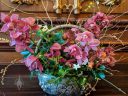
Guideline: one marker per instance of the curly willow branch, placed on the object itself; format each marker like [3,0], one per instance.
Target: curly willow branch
[58,27]
[119,89]
[14,9]
[3,71]
[92,88]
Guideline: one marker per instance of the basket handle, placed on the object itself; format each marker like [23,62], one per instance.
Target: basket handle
[58,27]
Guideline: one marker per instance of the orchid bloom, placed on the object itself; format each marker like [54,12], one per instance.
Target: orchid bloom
[102,19]
[91,26]
[70,62]
[18,29]
[91,45]
[76,51]
[54,50]
[30,21]
[33,63]
[84,37]
[106,56]
[87,40]
[9,22]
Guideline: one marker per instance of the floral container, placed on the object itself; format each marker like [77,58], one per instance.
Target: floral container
[66,87]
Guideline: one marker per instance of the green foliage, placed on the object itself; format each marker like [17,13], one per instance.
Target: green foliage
[101,75]
[57,37]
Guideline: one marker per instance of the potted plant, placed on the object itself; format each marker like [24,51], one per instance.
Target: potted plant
[68,60]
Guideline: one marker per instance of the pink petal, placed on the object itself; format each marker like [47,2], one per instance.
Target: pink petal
[13,42]
[94,42]
[40,67]
[66,49]
[74,29]
[85,61]
[79,61]
[4,28]
[10,25]
[56,46]
[86,49]
[35,27]
[15,35]
[94,48]
[29,60]
[4,18]
[30,50]
[20,24]
[30,21]
[20,48]
[26,28]
[14,17]
[78,56]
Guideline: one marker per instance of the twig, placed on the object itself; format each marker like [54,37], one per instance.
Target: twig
[119,89]
[3,71]
[14,8]
[47,12]
[92,88]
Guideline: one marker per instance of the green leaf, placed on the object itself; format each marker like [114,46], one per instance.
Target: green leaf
[33,73]
[102,67]
[101,75]
[94,74]
[61,72]
[25,56]
[39,33]
[61,41]
[60,67]
[24,52]
[57,37]
[83,81]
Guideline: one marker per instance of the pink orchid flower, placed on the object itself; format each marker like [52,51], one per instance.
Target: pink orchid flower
[106,55]
[84,37]
[54,50]
[31,23]
[102,19]
[19,40]
[70,62]
[19,47]
[33,63]
[91,45]
[83,60]
[91,26]
[18,29]
[9,22]
[74,50]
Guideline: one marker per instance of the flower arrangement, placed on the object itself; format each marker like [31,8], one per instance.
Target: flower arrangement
[75,53]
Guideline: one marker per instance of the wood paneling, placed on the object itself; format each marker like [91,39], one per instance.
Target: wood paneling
[39,8]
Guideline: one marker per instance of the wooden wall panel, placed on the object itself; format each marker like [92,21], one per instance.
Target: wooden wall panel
[39,8]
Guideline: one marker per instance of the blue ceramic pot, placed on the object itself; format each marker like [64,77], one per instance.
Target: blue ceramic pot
[65,87]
